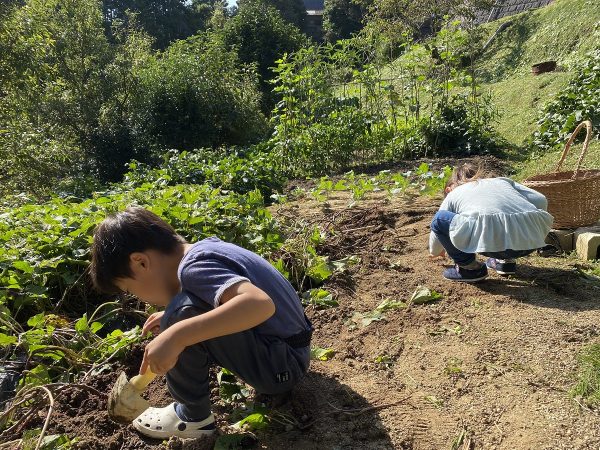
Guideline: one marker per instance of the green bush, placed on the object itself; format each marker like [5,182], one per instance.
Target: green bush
[239,171]
[196,94]
[460,127]
[580,100]
[260,35]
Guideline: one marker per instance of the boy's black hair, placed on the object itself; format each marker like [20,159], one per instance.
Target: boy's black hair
[123,233]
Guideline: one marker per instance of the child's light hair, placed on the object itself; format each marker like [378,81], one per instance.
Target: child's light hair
[466,173]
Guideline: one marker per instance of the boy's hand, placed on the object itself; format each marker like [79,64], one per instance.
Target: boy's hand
[152,324]
[161,354]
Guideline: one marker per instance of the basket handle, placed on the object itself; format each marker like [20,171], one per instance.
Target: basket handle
[586,143]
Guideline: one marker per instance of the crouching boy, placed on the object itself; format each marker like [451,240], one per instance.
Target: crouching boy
[224,305]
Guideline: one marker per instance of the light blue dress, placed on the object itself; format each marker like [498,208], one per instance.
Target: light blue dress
[494,215]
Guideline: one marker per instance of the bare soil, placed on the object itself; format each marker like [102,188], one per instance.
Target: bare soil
[488,366]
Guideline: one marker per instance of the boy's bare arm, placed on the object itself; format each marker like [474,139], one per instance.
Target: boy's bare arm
[243,306]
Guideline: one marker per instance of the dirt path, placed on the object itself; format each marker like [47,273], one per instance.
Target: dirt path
[490,362]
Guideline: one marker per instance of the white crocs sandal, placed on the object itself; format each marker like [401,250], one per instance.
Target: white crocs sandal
[161,423]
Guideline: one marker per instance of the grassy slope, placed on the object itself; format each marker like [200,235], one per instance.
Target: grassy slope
[562,31]
[519,99]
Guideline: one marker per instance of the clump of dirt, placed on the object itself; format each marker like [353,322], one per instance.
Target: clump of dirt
[356,230]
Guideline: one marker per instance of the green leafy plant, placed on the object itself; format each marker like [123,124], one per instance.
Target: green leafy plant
[239,170]
[423,180]
[579,101]
[230,389]
[318,298]
[321,354]
[424,295]
[453,367]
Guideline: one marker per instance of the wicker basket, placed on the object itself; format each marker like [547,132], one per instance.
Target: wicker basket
[573,196]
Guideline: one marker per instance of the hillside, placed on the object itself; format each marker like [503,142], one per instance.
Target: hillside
[563,31]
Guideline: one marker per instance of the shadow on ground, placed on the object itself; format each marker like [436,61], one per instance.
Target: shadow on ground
[549,287]
[340,418]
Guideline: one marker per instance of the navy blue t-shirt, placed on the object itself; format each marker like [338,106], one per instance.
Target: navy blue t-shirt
[212,265]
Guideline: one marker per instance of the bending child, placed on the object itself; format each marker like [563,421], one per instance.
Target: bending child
[495,217]
[224,305]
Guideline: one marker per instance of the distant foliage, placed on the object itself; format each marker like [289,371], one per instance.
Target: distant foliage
[76,106]
[394,18]
[261,36]
[343,18]
[580,100]
[239,171]
[53,85]
[293,11]
[164,20]
[196,94]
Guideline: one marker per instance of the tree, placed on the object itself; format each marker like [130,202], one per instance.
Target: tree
[76,106]
[261,36]
[343,18]
[51,73]
[196,94]
[165,20]
[292,11]
[399,18]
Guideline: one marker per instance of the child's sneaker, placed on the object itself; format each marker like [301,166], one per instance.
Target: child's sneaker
[163,423]
[506,267]
[458,273]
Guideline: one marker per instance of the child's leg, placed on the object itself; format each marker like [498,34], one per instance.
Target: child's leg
[188,383]
[266,363]
[441,228]
[505,262]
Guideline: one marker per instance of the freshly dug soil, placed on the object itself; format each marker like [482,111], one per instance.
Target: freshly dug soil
[488,366]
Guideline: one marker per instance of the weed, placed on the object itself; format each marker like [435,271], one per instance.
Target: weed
[384,360]
[321,354]
[318,298]
[453,366]
[587,387]
[435,401]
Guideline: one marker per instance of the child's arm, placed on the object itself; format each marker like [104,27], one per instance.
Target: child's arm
[243,306]
[435,246]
